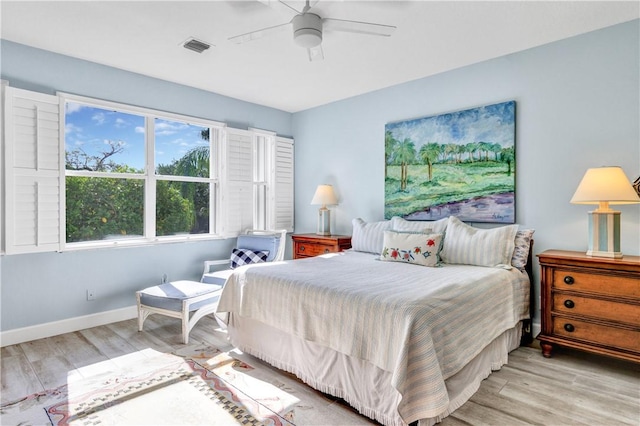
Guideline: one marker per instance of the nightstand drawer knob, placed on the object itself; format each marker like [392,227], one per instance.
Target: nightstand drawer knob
[326,250]
[569,303]
[302,248]
[569,280]
[569,327]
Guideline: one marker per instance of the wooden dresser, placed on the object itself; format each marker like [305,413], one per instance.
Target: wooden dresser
[309,245]
[590,303]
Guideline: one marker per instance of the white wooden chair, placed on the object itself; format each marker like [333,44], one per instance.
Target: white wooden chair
[257,240]
[178,299]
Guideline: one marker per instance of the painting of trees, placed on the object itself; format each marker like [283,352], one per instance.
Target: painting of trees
[389,148]
[460,163]
[404,155]
[429,154]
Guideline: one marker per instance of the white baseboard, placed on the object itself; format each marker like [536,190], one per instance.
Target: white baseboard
[40,331]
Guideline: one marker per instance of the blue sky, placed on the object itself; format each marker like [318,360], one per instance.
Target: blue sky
[90,129]
[490,123]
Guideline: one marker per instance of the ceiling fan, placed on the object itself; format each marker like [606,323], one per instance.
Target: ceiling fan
[308,30]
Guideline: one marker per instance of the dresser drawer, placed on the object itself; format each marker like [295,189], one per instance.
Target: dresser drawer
[603,309]
[590,303]
[310,245]
[605,335]
[566,279]
[311,249]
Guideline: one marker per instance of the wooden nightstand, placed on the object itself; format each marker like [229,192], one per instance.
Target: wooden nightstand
[309,245]
[590,303]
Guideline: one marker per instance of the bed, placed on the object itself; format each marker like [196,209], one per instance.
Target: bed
[401,343]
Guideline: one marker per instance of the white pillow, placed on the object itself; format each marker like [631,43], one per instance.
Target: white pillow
[418,249]
[521,250]
[467,245]
[368,237]
[402,225]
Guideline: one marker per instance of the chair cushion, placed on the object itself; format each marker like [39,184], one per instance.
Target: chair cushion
[170,295]
[254,242]
[218,277]
[244,256]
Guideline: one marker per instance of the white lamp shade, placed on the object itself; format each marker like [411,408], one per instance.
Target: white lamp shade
[605,184]
[324,196]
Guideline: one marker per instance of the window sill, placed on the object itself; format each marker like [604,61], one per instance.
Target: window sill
[140,242]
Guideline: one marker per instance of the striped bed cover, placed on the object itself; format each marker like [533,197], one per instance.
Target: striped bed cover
[421,324]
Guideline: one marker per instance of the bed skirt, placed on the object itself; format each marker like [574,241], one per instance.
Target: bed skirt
[364,386]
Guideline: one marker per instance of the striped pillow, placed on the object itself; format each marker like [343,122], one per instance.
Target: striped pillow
[466,245]
[402,225]
[368,237]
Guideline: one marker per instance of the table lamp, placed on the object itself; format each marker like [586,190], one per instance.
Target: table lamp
[324,195]
[605,186]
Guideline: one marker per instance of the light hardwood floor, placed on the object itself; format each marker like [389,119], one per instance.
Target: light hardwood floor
[572,388]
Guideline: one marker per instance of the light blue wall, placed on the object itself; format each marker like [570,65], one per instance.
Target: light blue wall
[52,286]
[577,106]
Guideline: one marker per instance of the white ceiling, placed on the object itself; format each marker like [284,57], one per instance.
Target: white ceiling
[431,37]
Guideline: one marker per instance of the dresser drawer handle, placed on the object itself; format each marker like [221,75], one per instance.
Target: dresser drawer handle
[569,303]
[569,280]
[326,250]
[301,248]
[569,327]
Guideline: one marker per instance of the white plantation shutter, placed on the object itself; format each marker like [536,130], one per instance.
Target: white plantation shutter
[240,207]
[237,192]
[282,187]
[32,167]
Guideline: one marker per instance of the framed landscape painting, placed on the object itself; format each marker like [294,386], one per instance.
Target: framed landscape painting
[459,164]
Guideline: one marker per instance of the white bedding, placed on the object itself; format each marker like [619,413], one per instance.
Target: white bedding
[364,386]
[420,324]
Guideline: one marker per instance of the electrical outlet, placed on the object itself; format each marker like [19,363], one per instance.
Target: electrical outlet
[91,295]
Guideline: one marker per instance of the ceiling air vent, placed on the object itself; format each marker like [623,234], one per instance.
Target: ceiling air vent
[196,45]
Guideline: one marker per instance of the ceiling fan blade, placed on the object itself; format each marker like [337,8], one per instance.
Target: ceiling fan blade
[253,35]
[315,53]
[280,4]
[357,27]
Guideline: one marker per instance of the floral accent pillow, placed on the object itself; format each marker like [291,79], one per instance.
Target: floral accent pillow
[418,249]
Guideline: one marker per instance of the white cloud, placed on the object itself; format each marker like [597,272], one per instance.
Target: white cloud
[70,128]
[99,118]
[139,129]
[70,107]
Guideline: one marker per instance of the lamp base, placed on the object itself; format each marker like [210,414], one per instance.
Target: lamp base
[609,254]
[324,221]
[604,234]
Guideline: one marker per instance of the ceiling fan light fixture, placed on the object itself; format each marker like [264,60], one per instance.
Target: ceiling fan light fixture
[307,30]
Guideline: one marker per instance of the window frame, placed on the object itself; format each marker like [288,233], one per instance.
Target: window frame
[216,132]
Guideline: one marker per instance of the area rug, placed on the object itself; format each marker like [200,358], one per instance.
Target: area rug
[207,387]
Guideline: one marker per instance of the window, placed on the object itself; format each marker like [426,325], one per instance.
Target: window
[105,166]
[185,180]
[133,175]
[129,175]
